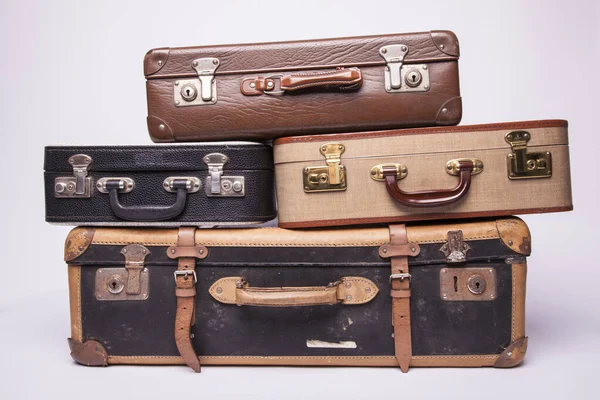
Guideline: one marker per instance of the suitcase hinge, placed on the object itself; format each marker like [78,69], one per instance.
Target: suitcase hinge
[129,283]
[185,91]
[455,249]
[524,165]
[415,77]
[218,185]
[327,178]
[79,185]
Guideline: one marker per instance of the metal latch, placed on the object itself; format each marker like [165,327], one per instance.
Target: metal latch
[79,185]
[399,77]
[129,283]
[524,165]
[218,185]
[468,284]
[455,249]
[201,91]
[126,185]
[327,178]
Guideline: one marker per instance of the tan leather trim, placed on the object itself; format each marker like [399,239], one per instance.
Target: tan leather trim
[90,352]
[519,279]
[438,233]
[550,123]
[513,354]
[77,242]
[349,290]
[74,273]
[320,361]
[515,235]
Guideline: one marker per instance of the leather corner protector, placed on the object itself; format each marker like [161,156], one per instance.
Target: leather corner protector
[159,130]
[450,113]
[223,290]
[446,42]
[515,235]
[77,242]
[90,353]
[358,290]
[513,354]
[155,60]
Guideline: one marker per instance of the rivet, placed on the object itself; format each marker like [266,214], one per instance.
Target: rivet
[195,63]
[509,354]
[143,251]
[384,250]
[80,248]
[368,290]
[124,251]
[444,271]
[176,83]
[491,271]
[213,99]
[340,147]
[253,85]
[269,84]
[449,166]
[445,296]
[348,285]
[215,61]
[71,161]
[403,48]
[161,127]
[323,147]
[306,187]
[172,251]
[387,68]
[159,63]
[177,102]
[305,169]
[510,242]
[201,251]
[424,66]
[191,335]
[219,290]
[348,297]
[442,46]
[480,165]
[492,296]
[444,110]
[426,87]
[413,249]
[223,159]
[384,51]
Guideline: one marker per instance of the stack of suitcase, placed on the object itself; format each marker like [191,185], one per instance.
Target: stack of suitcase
[170,263]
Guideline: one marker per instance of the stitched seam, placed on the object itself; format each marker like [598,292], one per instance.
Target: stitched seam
[243,244]
[492,356]
[514,303]
[79,319]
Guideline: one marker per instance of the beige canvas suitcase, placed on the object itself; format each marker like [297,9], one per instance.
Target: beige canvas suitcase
[420,174]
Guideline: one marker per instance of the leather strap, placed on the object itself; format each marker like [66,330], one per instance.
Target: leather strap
[185,290]
[399,250]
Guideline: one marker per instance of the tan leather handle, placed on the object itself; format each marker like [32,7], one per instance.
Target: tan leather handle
[342,78]
[430,198]
[348,290]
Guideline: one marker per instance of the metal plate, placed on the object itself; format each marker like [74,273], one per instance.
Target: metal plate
[231,186]
[64,187]
[128,184]
[316,179]
[194,183]
[423,86]
[460,284]
[178,99]
[105,291]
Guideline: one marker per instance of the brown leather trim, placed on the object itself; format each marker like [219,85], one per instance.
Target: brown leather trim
[519,279]
[318,361]
[446,42]
[90,352]
[156,133]
[550,123]
[450,113]
[515,235]
[358,221]
[513,354]
[155,60]
[74,273]
[77,242]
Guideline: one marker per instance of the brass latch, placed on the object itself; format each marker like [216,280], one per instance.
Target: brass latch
[79,185]
[524,165]
[327,178]
[455,249]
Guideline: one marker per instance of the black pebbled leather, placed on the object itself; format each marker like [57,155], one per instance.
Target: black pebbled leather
[149,166]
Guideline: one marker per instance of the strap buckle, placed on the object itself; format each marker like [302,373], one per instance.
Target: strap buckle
[185,273]
[399,276]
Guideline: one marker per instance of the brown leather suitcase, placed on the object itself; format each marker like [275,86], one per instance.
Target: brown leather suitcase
[267,90]
[423,295]
[419,174]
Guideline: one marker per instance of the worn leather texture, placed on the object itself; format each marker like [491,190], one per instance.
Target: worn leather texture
[463,328]
[318,110]
[148,166]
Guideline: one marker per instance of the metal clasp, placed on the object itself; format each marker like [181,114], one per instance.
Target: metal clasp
[135,254]
[185,273]
[125,185]
[455,249]
[400,77]
[377,171]
[185,91]
[79,185]
[329,178]
[524,165]
[218,185]
[400,276]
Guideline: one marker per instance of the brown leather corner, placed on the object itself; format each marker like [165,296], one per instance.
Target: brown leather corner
[513,355]
[77,242]
[90,352]
[155,59]
[514,233]
[450,113]
[159,130]
[447,42]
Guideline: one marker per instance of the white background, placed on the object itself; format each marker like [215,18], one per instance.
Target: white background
[71,73]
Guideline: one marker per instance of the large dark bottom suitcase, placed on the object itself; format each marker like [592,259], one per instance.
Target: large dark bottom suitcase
[423,295]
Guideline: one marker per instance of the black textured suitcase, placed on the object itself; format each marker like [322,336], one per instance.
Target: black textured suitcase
[209,184]
[422,295]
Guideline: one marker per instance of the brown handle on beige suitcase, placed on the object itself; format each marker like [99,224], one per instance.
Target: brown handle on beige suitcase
[430,198]
[341,78]
[348,290]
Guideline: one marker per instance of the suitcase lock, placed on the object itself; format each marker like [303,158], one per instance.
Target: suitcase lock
[79,185]
[400,77]
[524,165]
[201,91]
[129,283]
[327,178]
[218,185]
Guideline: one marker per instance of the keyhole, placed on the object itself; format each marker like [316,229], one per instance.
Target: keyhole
[477,285]
[188,91]
[456,284]
[414,78]
[114,284]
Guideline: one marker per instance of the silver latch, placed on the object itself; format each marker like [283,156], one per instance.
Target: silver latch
[185,91]
[400,77]
[218,185]
[79,185]
[455,249]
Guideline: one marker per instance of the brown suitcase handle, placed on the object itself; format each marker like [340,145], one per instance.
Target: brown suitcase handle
[341,78]
[430,198]
[348,290]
